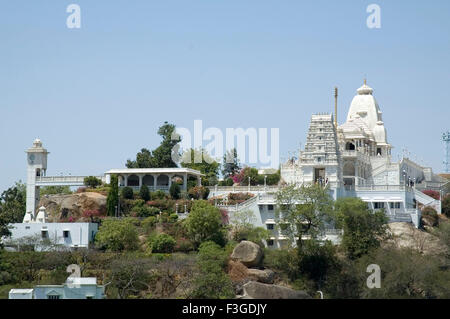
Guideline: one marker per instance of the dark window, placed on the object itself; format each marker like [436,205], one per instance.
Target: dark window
[53,297]
[270,242]
[378,205]
[378,151]
[270,207]
[269,226]
[44,234]
[66,234]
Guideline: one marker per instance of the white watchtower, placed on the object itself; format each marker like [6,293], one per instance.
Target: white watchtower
[37,167]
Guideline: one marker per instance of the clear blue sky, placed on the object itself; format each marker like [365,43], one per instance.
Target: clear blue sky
[96,95]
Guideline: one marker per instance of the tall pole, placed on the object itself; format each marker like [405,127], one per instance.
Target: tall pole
[446,139]
[335,107]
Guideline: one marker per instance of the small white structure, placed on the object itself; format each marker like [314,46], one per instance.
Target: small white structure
[21,294]
[64,235]
[73,288]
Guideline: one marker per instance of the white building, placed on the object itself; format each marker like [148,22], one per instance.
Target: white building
[73,288]
[354,160]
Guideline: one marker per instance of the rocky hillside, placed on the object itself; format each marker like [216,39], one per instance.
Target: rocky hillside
[405,235]
[71,207]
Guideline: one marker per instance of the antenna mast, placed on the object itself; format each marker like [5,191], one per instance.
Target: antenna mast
[446,139]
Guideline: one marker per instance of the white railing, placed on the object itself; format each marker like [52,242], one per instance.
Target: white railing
[63,179]
[244,189]
[237,207]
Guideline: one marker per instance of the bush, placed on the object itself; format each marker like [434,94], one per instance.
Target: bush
[175,191]
[149,223]
[127,192]
[145,211]
[212,283]
[431,215]
[144,193]
[92,181]
[204,223]
[446,206]
[184,245]
[117,235]
[159,194]
[162,243]
[198,192]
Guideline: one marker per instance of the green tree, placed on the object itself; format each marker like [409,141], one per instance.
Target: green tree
[144,193]
[231,164]
[243,228]
[117,235]
[160,157]
[212,281]
[363,229]
[162,243]
[204,223]
[250,173]
[112,199]
[92,181]
[127,192]
[303,211]
[207,165]
[175,191]
[446,205]
[12,207]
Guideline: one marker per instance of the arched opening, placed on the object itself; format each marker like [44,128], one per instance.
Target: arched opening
[349,169]
[133,180]
[148,180]
[163,180]
[350,146]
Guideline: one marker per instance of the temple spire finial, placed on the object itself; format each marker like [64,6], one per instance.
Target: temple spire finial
[365,81]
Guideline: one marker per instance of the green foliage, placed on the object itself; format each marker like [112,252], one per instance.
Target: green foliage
[405,273]
[161,157]
[175,191]
[296,220]
[204,223]
[117,235]
[149,223]
[112,199]
[252,173]
[142,210]
[201,161]
[446,206]
[198,192]
[212,282]
[12,207]
[431,215]
[159,194]
[272,179]
[363,228]
[243,228]
[92,181]
[144,193]
[231,165]
[162,243]
[127,193]
[53,190]
[227,182]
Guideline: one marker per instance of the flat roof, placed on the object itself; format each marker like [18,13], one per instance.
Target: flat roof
[174,170]
[21,291]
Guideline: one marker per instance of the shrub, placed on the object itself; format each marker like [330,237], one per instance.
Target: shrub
[430,214]
[162,243]
[149,223]
[184,245]
[144,193]
[127,192]
[198,192]
[145,211]
[175,191]
[159,194]
[92,181]
[446,206]
[117,235]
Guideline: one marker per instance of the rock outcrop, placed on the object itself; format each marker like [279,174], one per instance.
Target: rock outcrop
[248,253]
[65,207]
[265,276]
[256,290]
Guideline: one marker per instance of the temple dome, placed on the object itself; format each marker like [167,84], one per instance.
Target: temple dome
[379,133]
[366,107]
